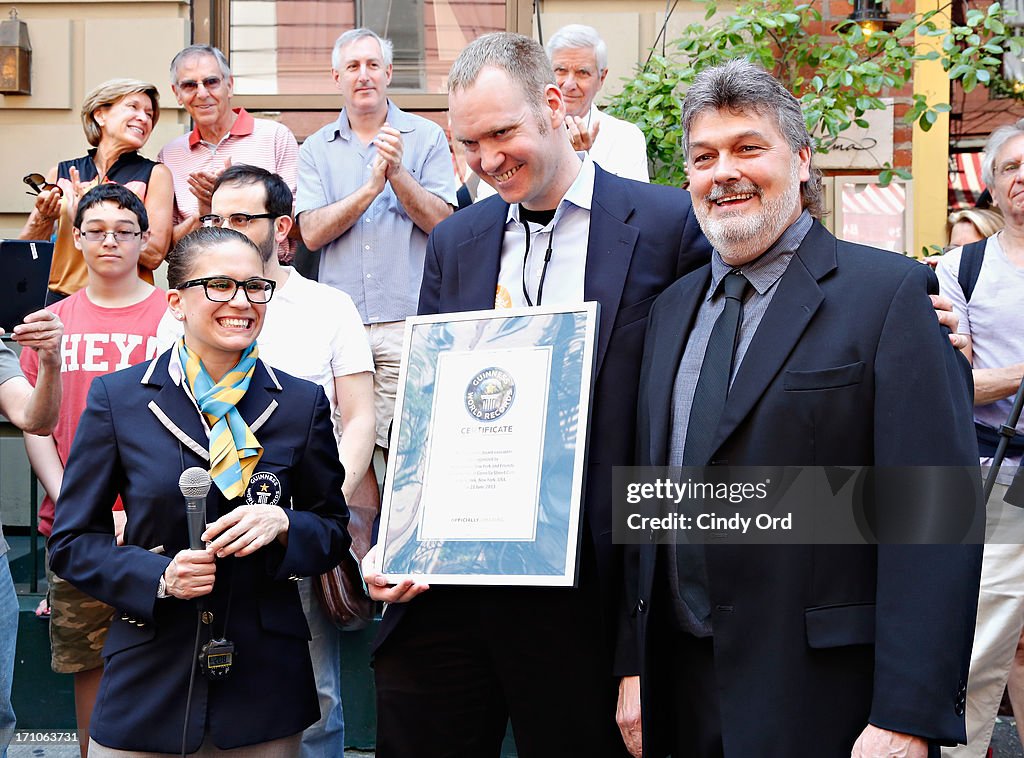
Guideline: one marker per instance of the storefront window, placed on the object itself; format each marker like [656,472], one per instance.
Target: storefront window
[304,123]
[283,47]
[873,215]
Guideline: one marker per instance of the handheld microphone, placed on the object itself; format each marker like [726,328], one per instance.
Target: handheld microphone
[194,484]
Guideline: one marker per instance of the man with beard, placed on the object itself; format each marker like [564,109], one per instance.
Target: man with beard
[792,348]
[314,332]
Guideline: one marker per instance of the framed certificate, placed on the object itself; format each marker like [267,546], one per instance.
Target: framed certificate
[485,472]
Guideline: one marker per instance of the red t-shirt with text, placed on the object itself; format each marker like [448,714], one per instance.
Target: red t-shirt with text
[96,341]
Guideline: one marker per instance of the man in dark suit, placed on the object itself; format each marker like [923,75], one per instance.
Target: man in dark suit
[453,665]
[833,358]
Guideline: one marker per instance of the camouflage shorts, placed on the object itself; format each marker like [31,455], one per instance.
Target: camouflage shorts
[78,627]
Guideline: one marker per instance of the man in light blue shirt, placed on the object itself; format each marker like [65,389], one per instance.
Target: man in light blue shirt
[372,185]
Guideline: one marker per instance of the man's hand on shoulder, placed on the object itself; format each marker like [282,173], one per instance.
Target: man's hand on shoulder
[944,312]
[882,743]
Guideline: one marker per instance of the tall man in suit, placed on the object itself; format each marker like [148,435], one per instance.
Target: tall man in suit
[835,360]
[455,663]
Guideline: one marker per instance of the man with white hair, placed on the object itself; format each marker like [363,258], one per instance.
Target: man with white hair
[202,81]
[372,185]
[985,281]
[580,59]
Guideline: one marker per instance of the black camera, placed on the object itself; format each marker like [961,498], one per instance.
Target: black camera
[216,658]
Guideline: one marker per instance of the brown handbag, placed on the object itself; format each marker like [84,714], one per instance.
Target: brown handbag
[340,590]
[342,596]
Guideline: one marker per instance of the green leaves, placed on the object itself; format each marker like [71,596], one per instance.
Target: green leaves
[888,173]
[836,80]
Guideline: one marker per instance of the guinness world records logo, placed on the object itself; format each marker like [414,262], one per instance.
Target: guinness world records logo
[490,393]
[264,488]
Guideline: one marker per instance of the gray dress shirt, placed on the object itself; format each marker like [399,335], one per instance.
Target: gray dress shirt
[764,274]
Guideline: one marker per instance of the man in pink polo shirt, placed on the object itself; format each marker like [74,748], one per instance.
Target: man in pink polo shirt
[221,136]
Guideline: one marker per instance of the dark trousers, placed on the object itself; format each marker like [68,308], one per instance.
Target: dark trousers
[463,661]
[696,721]
[697,725]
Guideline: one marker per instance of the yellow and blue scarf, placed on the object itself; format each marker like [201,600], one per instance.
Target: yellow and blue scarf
[234,450]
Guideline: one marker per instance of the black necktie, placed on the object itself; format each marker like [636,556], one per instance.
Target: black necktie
[708,403]
[715,370]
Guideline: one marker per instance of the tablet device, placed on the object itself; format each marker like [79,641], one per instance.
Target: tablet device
[24,276]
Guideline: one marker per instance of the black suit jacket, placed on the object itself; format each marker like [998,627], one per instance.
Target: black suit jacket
[642,238]
[847,368]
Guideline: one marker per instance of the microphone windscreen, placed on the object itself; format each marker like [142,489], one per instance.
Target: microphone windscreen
[194,482]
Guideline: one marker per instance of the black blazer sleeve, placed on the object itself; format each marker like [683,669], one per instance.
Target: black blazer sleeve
[927,593]
[430,287]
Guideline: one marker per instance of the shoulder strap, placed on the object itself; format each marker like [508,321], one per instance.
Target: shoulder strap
[970,267]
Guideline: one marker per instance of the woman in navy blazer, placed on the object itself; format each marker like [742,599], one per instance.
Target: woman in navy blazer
[282,518]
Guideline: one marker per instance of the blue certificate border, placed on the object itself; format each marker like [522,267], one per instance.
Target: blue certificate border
[550,559]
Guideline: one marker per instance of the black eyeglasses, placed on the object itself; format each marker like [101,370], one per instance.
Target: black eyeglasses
[211,83]
[235,220]
[39,184]
[98,235]
[222,289]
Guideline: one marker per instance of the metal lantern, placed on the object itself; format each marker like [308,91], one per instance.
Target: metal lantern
[15,57]
[871,16]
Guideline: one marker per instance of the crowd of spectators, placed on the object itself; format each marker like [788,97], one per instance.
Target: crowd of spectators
[363,196]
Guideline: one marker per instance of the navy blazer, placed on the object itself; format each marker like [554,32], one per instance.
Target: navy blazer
[139,432]
[642,238]
[848,367]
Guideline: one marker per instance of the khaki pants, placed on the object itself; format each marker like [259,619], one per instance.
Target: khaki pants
[386,345]
[1000,620]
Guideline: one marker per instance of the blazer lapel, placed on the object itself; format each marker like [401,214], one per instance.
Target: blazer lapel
[479,259]
[258,403]
[610,249]
[667,351]
[791,310]
[174,410]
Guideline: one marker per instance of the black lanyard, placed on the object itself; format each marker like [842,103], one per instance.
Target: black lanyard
[544,268]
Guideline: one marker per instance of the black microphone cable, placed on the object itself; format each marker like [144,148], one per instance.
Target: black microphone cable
[195,647]
[191,681]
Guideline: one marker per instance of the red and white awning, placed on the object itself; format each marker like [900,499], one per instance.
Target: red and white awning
[874,215]
[965,185]
[873,199]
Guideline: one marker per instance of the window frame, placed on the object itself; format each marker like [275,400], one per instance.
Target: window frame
[211,25]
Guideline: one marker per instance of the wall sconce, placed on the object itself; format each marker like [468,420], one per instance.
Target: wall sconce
[871,16]
[15,57]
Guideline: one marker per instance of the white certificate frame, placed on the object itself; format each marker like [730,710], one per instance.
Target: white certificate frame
[487,464]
